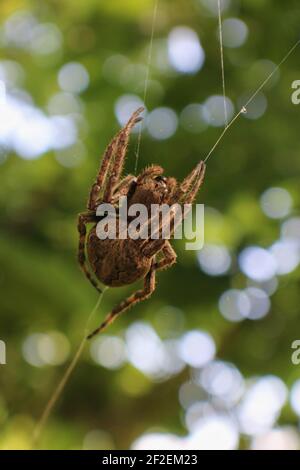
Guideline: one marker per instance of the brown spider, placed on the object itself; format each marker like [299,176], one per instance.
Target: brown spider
[118,262]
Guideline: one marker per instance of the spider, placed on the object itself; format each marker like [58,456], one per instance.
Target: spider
[120,262]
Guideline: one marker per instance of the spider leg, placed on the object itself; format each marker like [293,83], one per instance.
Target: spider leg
[169,254]
[188,181]
[121,150]
[108,157]
[190,196]
[138,296]
[185,194]
[194,179]
[83,219]
[193,183]
[159,226]
[123,188]
[102,174]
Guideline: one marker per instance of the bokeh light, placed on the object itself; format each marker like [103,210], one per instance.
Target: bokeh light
[224,381]
[261,405]
[269,287]
[30,132]
[257,263]
[287,255]
[214,260]
[276,203]
[192,118]
[290,229]
[196,412]
[280,438]
[162,123]
[149,354]
[190,394]
[157,441]
[18,29]
[256,108]
[214,113]
[295,397]
[12,73]
[125,106]
[234,305]
[259,303]
[196,348]
[235,32]
[72,156]
[73,77]
[217,432]
[42,349]
[186,54]
[109,351]
[64,103]
[212,5]
[45,39]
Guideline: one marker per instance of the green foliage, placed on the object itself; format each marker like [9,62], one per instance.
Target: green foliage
[41,287]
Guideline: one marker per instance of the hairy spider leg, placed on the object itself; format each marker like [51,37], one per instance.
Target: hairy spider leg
[187,193]
[197,183]
[123,188]
[196,176]
[109,160]
[189,196]
[122,144]
[102,174]
[138,296]
[169,255]
[83,219]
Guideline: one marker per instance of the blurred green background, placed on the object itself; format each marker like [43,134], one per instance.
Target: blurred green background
[206,362]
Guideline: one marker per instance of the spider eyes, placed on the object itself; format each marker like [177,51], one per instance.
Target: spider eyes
[160,178]
[163,182]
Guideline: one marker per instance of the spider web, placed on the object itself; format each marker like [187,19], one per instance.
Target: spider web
[66,376]
[222,61]
[243,110]
[146,84]
[64,380]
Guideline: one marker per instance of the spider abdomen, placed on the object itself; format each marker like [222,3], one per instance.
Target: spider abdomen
[116,262]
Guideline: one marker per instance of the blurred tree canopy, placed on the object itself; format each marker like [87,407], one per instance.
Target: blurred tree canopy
[45,300]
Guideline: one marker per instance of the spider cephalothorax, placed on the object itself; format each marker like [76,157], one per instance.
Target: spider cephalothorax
[118,262]
[153,188]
